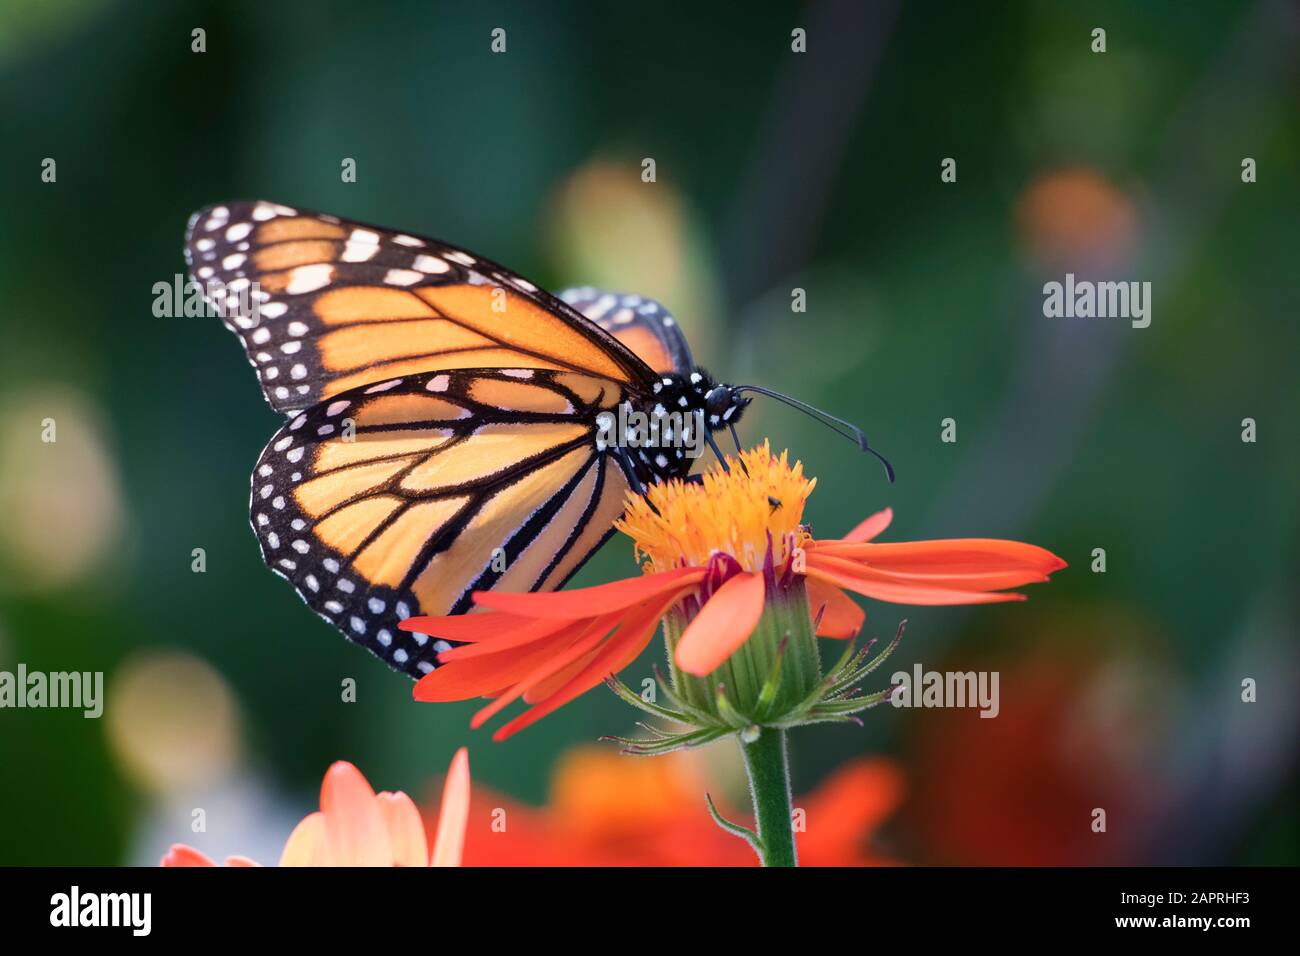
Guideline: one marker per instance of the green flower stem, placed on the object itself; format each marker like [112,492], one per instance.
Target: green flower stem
[752,694]
[768,766]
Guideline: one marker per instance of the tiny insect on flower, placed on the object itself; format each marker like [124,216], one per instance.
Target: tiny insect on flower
[357,827]
[736,576]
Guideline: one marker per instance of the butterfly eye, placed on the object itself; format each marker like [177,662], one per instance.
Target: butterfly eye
[718,400]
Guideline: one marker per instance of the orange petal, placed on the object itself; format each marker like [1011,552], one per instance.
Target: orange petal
[354,826]
[589,602]
[561,678]
[989,580]
[641,620]
[465,628]
[840,615]
[308,844]
[621,650]
[405,829]
[723,624]
[454,814]
[872,526]
[587,642]
[178,854]
[506,639]
[852,802]
[480,676]
[241,861]
[953,556]
[885,589]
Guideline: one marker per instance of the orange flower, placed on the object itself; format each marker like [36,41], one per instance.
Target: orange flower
[1010,792]
[357,827]
[607,810]
[717,553]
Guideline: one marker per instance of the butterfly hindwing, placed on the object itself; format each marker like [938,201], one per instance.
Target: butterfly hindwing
[642,324]
[402,497]
[323,305]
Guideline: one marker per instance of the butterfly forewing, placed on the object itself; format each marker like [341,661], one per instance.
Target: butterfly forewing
[402,497]
[323,305]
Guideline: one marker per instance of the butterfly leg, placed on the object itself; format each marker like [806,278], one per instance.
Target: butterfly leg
[633,480]
[736,438]
[717,451]
[629,469]
[722,460]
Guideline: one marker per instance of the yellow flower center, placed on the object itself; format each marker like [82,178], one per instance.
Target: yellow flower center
[681,524]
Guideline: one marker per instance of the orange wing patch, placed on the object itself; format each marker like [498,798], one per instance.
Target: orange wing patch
[605,505]
[513,321]
[319,496]
[498,448]
[444,581]
[403,408]
[354,347]
[350,527]
[388,559]
[285,229]
[348,306]
[520,397]
[339,453]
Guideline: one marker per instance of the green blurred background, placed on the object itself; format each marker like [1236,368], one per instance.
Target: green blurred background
[775,170]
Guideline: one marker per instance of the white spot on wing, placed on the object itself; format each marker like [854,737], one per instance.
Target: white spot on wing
[359,251]
[309,278]
[430,264]
[402,277]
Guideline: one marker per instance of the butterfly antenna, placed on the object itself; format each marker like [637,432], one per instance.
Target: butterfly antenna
[838,425]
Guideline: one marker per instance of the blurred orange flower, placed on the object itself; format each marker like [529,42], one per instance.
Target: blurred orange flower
[1075,217]
[606,809]
[1076,736]
[357,827]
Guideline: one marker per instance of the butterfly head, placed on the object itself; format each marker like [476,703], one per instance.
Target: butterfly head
[723,405]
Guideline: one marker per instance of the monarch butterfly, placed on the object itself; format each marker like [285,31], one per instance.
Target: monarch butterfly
[443,415]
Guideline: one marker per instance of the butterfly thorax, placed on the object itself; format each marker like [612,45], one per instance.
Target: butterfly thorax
[661,436]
